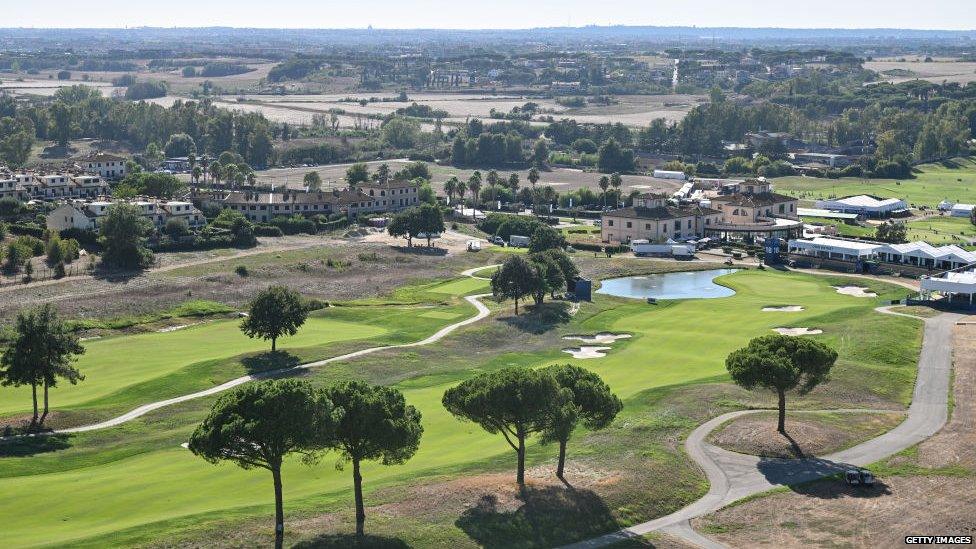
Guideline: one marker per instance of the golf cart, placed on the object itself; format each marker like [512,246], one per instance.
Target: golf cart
[859,477]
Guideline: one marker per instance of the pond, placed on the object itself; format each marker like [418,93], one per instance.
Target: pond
[685,285]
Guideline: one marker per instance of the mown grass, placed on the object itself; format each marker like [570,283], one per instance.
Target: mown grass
[136,485]
[954,180]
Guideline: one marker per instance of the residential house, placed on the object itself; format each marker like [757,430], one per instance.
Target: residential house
[652,218]
[109,166]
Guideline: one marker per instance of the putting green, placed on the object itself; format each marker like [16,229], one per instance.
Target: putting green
[158,490]
[112,364]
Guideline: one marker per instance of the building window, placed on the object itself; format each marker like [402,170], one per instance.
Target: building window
[610,223]
[629,225]
[677,224]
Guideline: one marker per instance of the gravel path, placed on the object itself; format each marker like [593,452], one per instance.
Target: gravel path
[733,476]
[482,312]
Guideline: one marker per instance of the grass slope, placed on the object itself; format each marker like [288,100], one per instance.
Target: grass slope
[954,180]
[145,488]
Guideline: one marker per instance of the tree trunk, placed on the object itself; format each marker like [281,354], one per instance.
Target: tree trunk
[357,482]
[782,412]
[516,306]
[34,397]
[279,509]
[520,474]
[274,344]
[562,460]
[44,415]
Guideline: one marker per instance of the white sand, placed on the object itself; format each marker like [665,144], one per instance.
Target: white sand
[602,337]
[855,291]
[797,331]
[175,328]
[786,309]
[587,352]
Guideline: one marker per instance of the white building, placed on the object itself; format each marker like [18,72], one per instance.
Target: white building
[667,174]
[925,255]
[109,166]
[952,284]
[962,210]
[86,215]
[863,204]
[835,248]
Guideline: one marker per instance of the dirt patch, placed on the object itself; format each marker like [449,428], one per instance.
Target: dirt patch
[808,434]
[783,309]
[831,514]
[955,444]
[912,495]
[585,352]
[798,331]
[855,291]
[602,337]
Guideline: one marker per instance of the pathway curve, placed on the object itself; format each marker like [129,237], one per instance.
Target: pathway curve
[482,312]
[733,476]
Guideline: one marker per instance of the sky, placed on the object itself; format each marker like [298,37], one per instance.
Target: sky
[496,14]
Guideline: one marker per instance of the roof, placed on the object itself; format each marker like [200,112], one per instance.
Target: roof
[864,201]
[296,197]
[837,243]
[924,249]
[827,214]
[662,212]
[101,157]
[390,184]
[754,200]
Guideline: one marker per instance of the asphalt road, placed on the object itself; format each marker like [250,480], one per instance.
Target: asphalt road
[733,476]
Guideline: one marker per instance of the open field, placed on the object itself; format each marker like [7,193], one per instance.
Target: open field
[942,230]
[631,110]
[561,179]
[955,181]
[928,488]
[937,71]
[135,484]
[46,87]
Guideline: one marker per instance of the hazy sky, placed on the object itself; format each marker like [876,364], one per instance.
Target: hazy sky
[460,14]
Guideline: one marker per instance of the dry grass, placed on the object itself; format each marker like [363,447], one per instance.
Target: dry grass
[809,434]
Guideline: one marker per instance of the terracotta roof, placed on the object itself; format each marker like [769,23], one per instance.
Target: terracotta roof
[660,213]
[390,184]
[754,200]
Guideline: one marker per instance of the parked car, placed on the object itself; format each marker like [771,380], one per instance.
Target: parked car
[474,246]
[859,477]
[518,241]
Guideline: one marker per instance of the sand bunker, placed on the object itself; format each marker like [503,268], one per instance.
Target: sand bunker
[587,352]
[797,331]
[855,291]
[602,337]
[783,309]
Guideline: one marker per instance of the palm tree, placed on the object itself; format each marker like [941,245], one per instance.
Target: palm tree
[513,185]
[549,195]
[230,173]
[450,187]
[493,184]
[205,163]
[216,171]
[533,177]
[252,178]
[461,188]
[604,185]
[474,186]
[616,181]
[197,172]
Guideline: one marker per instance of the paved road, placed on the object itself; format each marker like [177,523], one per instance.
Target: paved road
[482,312]
[733,476]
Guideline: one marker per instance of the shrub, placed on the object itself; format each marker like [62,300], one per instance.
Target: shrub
[241,271]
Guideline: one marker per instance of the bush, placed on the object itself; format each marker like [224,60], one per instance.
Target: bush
[241,271]
[294,225]
[267,230]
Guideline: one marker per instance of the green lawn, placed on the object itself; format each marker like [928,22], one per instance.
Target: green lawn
[103,491]
[930,186]
[124,371]
[942,230]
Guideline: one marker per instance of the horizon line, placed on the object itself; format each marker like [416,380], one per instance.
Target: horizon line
[488,29]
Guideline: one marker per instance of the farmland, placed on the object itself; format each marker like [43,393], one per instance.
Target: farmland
[148,489]
[938,71]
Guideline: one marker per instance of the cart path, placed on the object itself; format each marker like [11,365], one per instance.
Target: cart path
[733,476]
[482,312]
